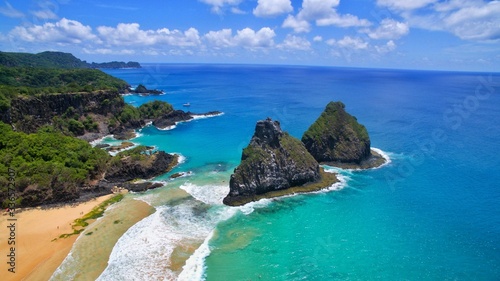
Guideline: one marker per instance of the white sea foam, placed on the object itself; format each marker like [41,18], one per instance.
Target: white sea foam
[202,116]
[100,140]
[143,252]
[194,269]
[208,194]
[384,154]
[168,128]
[113,153]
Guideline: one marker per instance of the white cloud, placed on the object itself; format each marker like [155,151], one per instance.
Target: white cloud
[324,13]
[475,20]
[298,25]
[44,14]
[268,8]
[386,48]
[221,38]
[317,38]
[247,38]
[107,51]
[131,34]
[476,23]
[293,42]
[63,32]
[405,4]
[349,43]
[250,39]
[10,11]
[389,29]
[219,5]
[346,20]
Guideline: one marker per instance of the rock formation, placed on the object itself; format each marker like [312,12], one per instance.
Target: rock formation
[338,139]
[130,167]
[273,161]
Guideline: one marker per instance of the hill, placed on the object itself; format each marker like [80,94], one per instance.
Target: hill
[56,60]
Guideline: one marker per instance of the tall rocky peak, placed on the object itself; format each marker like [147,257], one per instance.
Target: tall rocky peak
[267,132]
[273,161]
[337,137]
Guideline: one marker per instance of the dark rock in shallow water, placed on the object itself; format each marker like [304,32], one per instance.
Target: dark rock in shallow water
[171,119]
[142,186]
[126,168]
[337,137]
[273,161]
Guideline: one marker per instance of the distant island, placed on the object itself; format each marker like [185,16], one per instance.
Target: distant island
[276,164]
[56,60]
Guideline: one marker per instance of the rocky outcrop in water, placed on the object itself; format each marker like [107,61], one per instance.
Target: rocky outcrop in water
[338,139]
[176,116]
[273,161]
[336,136]
[130,167]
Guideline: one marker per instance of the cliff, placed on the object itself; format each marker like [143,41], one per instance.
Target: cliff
[273,161]
[336,138]
[28,114]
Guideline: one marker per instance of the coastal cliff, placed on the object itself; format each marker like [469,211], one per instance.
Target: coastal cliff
[336,138]
[29,113]
[273,161]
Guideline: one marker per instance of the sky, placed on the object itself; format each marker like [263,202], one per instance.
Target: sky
[461,35]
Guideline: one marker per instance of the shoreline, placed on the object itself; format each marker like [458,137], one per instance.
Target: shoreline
[37,253]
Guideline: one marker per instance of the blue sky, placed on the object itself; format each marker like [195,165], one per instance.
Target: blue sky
[414,34]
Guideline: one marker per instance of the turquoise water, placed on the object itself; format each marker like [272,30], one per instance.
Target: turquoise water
[431,214]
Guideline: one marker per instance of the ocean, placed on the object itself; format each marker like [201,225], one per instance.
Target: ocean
[432,213]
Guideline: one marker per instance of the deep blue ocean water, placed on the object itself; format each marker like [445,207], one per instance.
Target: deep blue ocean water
[432,213]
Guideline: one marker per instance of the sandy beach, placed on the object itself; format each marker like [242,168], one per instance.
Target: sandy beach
[37,254]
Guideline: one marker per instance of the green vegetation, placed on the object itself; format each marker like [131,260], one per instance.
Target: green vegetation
[44,59]
[149,110]
[49,166]
[333,118]
[97,212]
[57,60]
[15,81]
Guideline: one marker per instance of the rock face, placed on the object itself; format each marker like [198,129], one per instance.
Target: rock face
[129,169]
[171,119]
[336,136]
[30,113]
[274,160]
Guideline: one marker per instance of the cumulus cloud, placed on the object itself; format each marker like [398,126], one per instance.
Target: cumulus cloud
[317,38]
[268,8]
[323,13]
[298,25]
[389,29]
[386,48]
[475,20]
[293,42]
[348,42]
[10,11]
[63,32]
[132,34]
[246,38]
[219,5]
